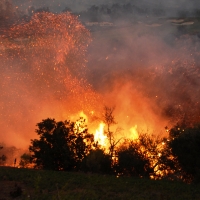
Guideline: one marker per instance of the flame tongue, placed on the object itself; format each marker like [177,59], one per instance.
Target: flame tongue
[134,132]
[99,136]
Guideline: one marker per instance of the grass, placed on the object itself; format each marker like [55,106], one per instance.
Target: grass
[39,184]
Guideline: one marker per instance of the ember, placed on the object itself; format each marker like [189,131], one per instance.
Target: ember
[42,68]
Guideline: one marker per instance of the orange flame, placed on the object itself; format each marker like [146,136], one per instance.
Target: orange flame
[134,132]
[99,135]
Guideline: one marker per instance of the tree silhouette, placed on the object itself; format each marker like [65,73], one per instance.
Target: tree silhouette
[109,120]
[61,145]
[25,160]
[132,161]
[97,161]
[147,156]
[184,143]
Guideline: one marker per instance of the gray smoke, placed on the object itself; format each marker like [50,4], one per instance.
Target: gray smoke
[80,5]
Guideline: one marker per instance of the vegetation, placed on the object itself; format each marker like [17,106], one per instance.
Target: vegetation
[61,145]
[97,161]
[185,144]
[132,161]
[25,160]
[68,146]
[109,120]
[47,184]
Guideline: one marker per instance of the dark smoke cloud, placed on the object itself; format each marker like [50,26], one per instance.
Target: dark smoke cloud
[78,5]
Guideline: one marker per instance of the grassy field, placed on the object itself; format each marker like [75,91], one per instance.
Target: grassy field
[38,184]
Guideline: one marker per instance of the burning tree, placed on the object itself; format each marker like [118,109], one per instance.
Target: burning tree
[109,120]
[147,156]
[61,145]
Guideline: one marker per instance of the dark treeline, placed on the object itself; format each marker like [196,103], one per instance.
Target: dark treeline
[68,146]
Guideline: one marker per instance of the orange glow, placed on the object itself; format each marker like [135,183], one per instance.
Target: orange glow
[99,136]
[134,133]
[43,66]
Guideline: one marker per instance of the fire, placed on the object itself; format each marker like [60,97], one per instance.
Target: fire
[134,132]
[99,135]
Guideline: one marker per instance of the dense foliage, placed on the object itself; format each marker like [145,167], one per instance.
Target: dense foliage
[61,145]
[132,161]
[97,161]
[68,146]
[185,145]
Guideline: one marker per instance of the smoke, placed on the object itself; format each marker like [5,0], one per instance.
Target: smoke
[150,72]
[147,68]
[170,7]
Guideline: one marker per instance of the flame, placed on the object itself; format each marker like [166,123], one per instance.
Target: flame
[134,133]
[99,135]
[84,116]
